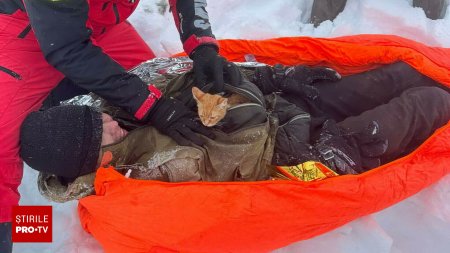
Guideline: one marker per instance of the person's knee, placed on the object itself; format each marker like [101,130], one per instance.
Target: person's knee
[440,96]
[437,91]
[401,68]
[431,100]
[430,94]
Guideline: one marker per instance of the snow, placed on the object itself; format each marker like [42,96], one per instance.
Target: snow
[418,224]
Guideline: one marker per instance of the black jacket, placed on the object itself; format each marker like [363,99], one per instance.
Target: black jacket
[61,30]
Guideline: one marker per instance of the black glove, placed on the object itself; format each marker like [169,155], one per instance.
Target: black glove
[336,152]
[299,79]
[296,79]
[174,119]
[371,143]
[208,64]
[304,74]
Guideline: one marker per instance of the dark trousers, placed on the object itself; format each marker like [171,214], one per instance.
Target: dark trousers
[329,9]
[326,10]
[407,105]
[434,9]
[5,237]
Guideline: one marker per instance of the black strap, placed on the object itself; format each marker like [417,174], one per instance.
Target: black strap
[25,31]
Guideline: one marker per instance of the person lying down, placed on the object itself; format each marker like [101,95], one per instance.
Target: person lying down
[276,116]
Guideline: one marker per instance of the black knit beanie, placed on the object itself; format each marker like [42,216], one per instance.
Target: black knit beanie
[63,140]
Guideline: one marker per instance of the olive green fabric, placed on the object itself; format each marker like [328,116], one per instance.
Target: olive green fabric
[144,150]
[240,156]
[241,151]
[55,189]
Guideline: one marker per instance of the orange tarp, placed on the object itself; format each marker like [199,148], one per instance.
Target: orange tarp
[129,215]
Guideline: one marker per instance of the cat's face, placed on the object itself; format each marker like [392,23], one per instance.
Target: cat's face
[211,108]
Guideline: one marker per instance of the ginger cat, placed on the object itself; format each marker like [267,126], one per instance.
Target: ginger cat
[213,108]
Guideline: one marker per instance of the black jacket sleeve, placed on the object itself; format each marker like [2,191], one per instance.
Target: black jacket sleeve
[64,38]
[192,21]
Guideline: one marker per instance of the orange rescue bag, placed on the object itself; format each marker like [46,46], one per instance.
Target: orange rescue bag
[129,215]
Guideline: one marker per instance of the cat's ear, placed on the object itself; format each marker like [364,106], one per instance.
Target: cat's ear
[223,103]
[197,93]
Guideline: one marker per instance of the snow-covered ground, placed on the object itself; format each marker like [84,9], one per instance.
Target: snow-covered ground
[418,224]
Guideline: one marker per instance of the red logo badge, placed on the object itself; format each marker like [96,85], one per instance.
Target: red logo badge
[32,224]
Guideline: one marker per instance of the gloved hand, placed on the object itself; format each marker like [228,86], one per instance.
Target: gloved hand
[336,152]
[174,119]
[299,79]
[209,64]
[304,74]
[371,143]
[296,79]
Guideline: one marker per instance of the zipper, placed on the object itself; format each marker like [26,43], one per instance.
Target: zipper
[116,13]
[25,31]
[300,116]
[11,73]
[233,88]
[244,105]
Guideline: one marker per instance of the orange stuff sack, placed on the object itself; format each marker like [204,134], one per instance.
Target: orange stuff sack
[129,215]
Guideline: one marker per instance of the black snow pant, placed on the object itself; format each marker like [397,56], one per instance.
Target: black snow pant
[329,9]
[434,9]
[5,237]
[326,10]
[407,105]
